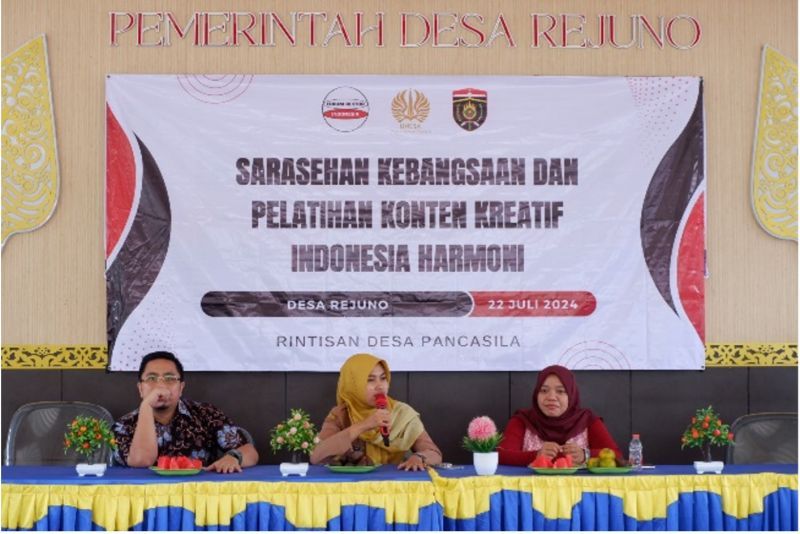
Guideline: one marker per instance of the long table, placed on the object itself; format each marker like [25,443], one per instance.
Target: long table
[755,497]
[762,497]
[55,498]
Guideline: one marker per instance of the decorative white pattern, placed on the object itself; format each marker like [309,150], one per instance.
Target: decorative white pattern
[594,354]
[215,89]
[532,441]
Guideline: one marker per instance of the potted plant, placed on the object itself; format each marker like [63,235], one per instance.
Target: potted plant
[482,439]
[88,436]
[299,436]
[705,430]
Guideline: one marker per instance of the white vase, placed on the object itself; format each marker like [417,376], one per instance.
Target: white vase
[485,462]
[709,467]
[97,470]
[288,468]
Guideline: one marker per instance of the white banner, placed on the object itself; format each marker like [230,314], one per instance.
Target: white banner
[446,223]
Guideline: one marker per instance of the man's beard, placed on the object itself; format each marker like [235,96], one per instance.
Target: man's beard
[163,408]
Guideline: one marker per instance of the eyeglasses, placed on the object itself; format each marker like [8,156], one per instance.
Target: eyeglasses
[167,380]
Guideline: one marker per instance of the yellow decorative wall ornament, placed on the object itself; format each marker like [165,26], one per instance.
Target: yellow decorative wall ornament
[774,176]
[54,357]
[29,161]
[751,355]
[22,357]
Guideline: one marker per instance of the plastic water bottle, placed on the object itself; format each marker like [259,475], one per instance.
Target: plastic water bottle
[635,452]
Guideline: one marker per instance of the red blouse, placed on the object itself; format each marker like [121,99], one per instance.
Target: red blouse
[512,451]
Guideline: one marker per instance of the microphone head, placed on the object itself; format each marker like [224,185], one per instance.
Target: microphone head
[381,402]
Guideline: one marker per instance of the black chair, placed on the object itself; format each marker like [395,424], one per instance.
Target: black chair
[764,438]
[36,433]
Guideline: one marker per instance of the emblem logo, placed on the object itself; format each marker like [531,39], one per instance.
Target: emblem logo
[410,108]
[345,109]
[470,108]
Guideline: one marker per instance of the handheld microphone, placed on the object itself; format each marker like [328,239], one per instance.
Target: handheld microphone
[382,403]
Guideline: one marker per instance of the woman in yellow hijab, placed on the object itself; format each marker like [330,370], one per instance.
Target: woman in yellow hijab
[351,434]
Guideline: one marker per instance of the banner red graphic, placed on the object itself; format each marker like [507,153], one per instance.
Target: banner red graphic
[533,303]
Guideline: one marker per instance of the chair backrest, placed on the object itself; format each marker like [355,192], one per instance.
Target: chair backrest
[764,438]
[36,432]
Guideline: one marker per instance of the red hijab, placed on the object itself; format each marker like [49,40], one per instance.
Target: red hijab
[557,429]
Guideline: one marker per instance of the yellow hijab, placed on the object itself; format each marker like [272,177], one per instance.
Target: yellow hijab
[406,426]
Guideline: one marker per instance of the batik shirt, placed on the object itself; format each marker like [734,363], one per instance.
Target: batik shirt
[198,430]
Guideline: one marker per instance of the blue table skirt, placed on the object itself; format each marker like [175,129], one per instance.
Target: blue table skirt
[761,497]
[55,498]
[668,497]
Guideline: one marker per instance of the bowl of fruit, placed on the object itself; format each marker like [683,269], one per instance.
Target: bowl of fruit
[177,466]
[560,465]
[606,463]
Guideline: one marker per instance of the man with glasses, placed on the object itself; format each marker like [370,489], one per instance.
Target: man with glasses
[167,425]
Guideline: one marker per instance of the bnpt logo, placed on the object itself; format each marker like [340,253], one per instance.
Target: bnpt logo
[345,109]
[470,107]
[410,108]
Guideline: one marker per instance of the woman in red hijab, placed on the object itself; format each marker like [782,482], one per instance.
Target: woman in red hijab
[555,424]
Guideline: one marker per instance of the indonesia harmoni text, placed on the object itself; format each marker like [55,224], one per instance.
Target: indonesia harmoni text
[438,258]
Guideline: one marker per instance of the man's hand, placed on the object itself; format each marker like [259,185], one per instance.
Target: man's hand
[158,396]
[414,463]
[226,464]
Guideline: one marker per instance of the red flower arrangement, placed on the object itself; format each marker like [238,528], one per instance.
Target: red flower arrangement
[705,430]
[86,435]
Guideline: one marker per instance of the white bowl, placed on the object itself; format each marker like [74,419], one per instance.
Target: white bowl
[97,470]
[287,469]
[709,467]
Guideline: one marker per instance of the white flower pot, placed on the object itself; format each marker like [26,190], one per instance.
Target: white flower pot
[709,467]
[288,468]
[97,470]
[485,462]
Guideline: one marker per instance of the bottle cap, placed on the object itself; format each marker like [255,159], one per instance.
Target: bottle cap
[636,436]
